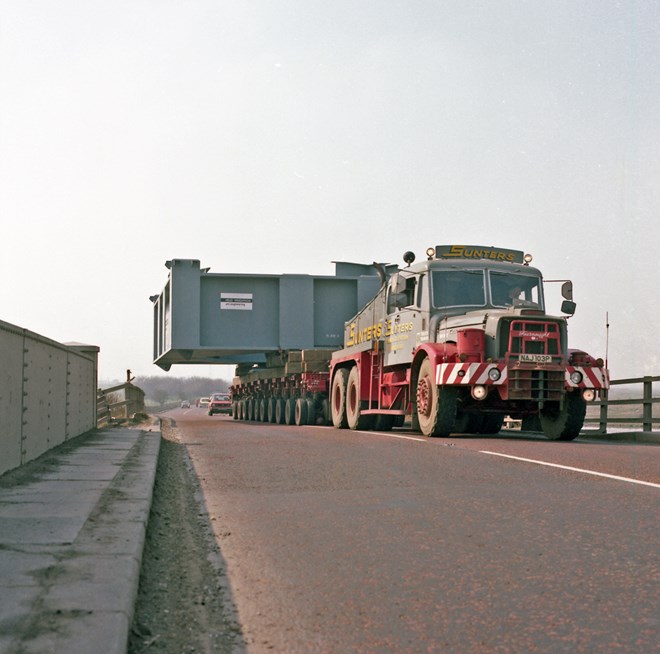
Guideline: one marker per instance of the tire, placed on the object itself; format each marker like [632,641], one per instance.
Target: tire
[491,423]
[290,412]
[383,422]
[325,411]
[436,407]
[271,410]
[354,405]
[338,399]
[249,414]
[280,405]
[301,411]
[462,423]
[311,411]
[565,423]
[263,410]
[531,423]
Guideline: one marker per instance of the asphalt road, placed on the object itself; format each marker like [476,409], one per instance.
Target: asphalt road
[340,541]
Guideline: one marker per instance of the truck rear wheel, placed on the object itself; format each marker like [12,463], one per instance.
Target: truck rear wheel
[436,407]
[565,423]
[338,399]
[354,405]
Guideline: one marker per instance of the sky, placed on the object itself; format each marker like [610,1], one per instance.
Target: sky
[277,136]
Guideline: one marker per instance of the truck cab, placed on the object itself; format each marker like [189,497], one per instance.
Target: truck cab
[461,340]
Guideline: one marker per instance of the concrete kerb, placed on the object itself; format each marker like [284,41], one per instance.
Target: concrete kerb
[645,437]
[75,591]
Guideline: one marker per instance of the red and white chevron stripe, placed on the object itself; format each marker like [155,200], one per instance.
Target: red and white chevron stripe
[469,373]
[591,377]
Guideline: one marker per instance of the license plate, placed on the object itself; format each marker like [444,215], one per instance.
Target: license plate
[535,358]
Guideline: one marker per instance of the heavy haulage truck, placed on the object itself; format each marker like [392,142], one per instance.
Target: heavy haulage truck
[456,342]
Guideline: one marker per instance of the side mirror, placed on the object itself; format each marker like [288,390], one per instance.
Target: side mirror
[567,292]
[399,284]
[568,307]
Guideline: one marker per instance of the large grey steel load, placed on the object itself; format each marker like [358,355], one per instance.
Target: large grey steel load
[228,318]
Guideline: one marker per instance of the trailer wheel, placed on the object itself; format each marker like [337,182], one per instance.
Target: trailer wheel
[271,409]
[290,412]
[436,407]
[354,405]
[338,399]
[325,411]
[280,406]
[565,423]
[301,411]
[263,410]
[311,411]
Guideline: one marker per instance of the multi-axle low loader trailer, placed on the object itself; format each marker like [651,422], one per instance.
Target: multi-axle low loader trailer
[455,343]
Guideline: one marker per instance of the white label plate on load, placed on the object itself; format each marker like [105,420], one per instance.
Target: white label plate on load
[535,358]
[236,301]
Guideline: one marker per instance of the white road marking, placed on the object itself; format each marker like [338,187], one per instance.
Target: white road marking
[586,472]
[382,433]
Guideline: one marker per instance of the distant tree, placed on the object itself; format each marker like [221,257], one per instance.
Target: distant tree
[159,395]
[181,388]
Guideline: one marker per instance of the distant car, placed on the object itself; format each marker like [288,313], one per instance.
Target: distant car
[203,402]
[185,404]
[220,403]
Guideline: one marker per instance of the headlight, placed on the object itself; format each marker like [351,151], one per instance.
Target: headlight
[576,377]
[494,374]
[479,392]
[589,394]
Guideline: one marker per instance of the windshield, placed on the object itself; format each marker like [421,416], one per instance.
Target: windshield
[458,288]
[510,289]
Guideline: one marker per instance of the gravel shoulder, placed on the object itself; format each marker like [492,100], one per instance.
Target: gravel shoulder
[183,604]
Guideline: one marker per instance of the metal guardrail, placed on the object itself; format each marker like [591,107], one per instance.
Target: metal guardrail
[609,415]
[103,415]
[119,402]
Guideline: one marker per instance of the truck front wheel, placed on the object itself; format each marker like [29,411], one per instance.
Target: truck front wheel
[565,423]
[436,407]
[338,399]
